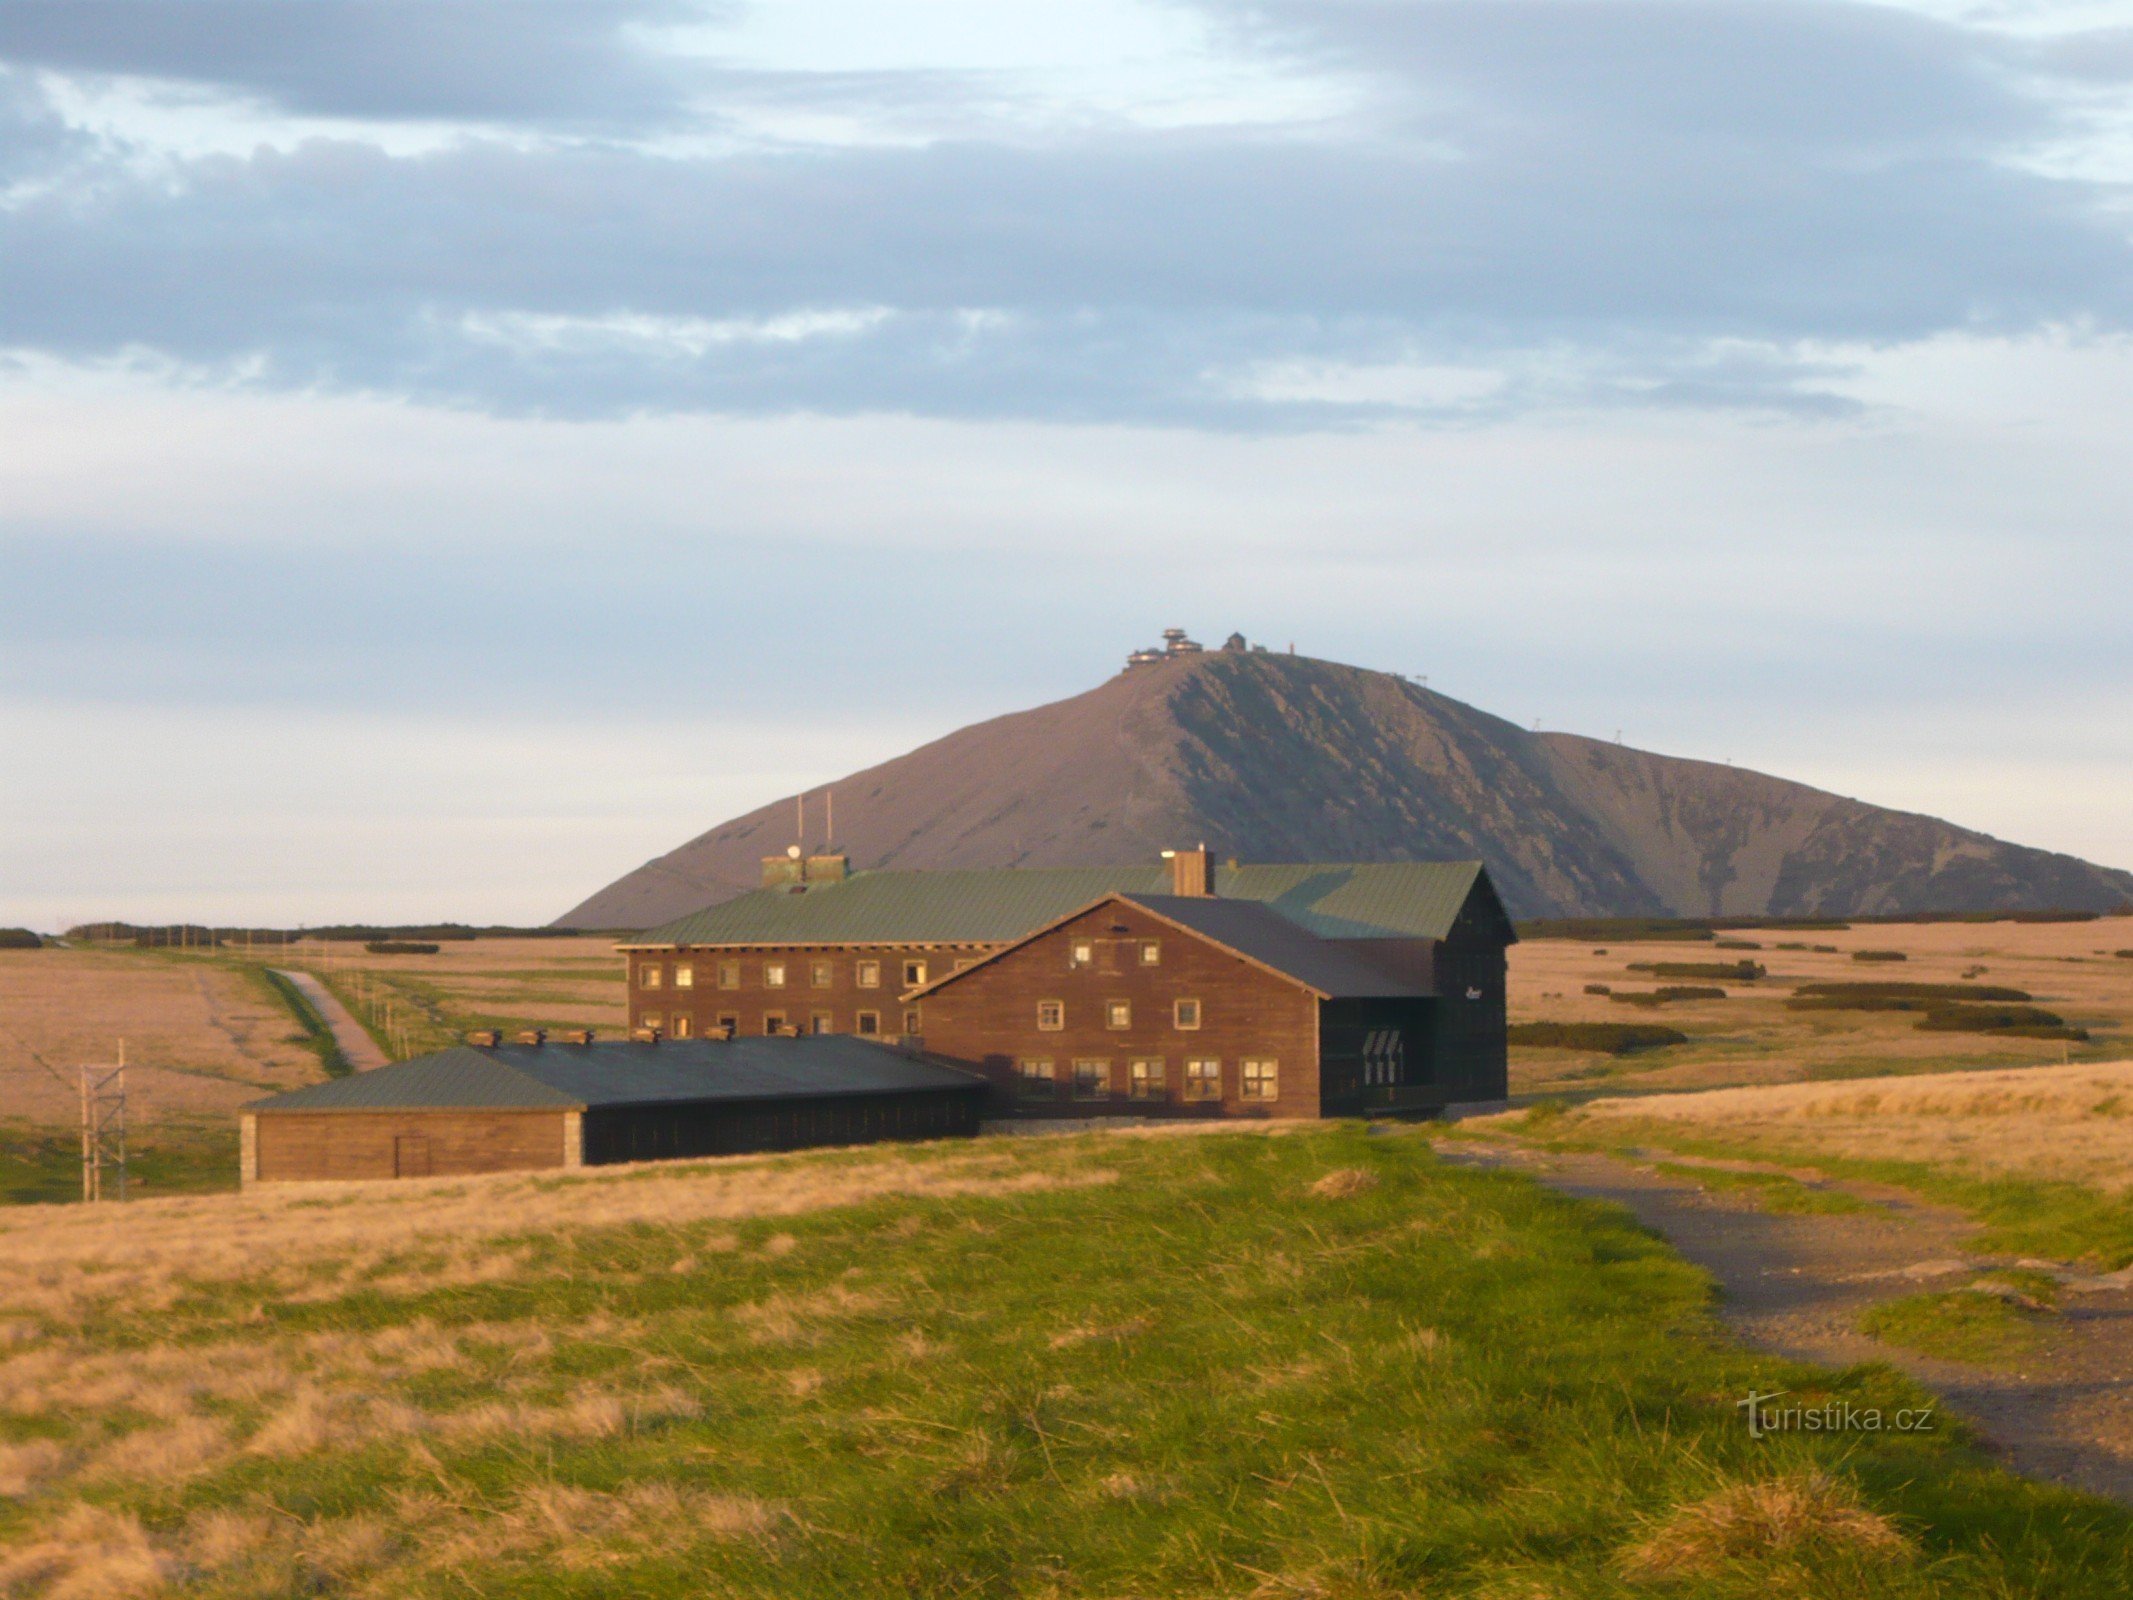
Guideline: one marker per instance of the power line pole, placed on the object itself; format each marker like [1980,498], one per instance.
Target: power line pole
[103,1127]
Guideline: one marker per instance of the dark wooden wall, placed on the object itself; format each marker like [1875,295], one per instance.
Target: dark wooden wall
[1345,1030]
[659,1133]
[298,1145]
[987,1021]
[798,1000]
[1471,1048]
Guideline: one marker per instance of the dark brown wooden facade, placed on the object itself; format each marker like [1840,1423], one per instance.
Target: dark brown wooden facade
[326,1145]
[800,988]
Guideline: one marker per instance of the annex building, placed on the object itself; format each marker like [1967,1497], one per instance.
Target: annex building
[1182,988]
[540,1103]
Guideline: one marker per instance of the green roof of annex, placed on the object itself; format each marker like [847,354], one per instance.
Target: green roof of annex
[1374,900]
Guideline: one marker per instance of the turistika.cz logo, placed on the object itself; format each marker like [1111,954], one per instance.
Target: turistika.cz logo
[1765,1417]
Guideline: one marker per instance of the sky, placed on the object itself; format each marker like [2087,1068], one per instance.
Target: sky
[452,451]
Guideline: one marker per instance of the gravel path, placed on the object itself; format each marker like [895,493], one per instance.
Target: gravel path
[360,1050]
[1796,1285]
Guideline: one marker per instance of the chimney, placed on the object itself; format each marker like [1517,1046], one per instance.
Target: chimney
[534,1036]
[783,869]
[485,1038]
[1192,872]
[826,868]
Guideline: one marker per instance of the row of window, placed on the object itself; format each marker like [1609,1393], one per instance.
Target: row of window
[1258,1078]
[1052,1015]
[820,974]
[1082,952]
[681,1025]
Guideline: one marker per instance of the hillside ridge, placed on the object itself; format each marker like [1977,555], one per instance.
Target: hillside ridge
[1290,758]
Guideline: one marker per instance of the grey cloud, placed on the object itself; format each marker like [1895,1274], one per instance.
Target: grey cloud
[1596,205]
[479,60]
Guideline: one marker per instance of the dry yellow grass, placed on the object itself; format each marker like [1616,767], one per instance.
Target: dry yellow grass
[199,1039]
[319,1241]
[2068,1123]
[1798,1514]
[1750,1037]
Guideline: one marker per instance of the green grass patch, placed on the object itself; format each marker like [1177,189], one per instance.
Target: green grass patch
[1968,1325]
[1218,1374]
[1773,1191]
[42,1165]
[2016,1216]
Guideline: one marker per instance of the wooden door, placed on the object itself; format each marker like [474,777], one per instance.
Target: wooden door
[411,1155]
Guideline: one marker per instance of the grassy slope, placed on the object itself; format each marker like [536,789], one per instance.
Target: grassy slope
[1200,1378]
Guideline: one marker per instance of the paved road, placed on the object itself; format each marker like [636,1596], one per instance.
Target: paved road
[1797,1284]
[360,1050]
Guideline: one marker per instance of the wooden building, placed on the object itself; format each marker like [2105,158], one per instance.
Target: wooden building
[1196,1006]
[511,1107]
[819,949]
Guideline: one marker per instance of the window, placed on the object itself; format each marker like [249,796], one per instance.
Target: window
[870,1022]
[1151,954]
[1051,1015]
[1033,1080]
[774,974]
[869,974]
[652,1019]
[773,1022]
[1203,1079]
[648,976]
[729,974]
[911,1020]
[822,1022]
[684,977]
[1082,954]
[681,1025]
[1092,1080]
[1186,1014]
[914,974]
[1118,1013]
[819,974]
[1262,1079]
[1144,1078]
[729,1022]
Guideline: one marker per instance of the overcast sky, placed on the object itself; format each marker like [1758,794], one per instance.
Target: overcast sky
[452,450]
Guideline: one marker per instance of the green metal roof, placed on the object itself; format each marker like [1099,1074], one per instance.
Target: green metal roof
[566,1077]
[1375,900]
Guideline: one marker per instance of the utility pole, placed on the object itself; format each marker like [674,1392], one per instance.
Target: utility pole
[103,1127]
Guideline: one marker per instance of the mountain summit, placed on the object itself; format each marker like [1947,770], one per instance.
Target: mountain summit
[1284,758]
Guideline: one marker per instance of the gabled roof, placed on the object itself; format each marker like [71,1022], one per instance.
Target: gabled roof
[1247,928]
[1375,900]
[566,1077]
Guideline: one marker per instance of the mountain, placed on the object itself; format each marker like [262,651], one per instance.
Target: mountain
[1285,758]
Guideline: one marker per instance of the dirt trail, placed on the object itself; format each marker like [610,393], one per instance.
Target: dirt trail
[1796,1285]
[357,1047]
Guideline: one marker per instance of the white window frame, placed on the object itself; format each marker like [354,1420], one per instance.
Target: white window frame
[1112,1019]
[1081,953]
[1146,1079]
[1266,1085]
[1152,953]
[773,974]
[684,976]
[914,974]
[1058,1022]
[649,975]
[1177,1014]
[1209,1078]
[1102,1077]
[1027,1080]
[864,1019]
[867,974]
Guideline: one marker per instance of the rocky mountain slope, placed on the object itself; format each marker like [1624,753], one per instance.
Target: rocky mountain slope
[1285,758]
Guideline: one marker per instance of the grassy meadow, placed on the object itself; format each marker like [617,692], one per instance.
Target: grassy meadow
[1752,1036]
[1316,1363]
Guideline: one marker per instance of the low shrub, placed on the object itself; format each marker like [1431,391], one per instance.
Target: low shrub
[1610,1038]
[1735,944]
[1724,971]
[1879,955]
[2125,955]
[2022,1022]
[399,947]
[1667,994]
[1598,988]
[19,939]
[1815,949]
[1896,996]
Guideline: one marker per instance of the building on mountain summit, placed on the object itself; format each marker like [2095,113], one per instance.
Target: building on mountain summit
[1179,989]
